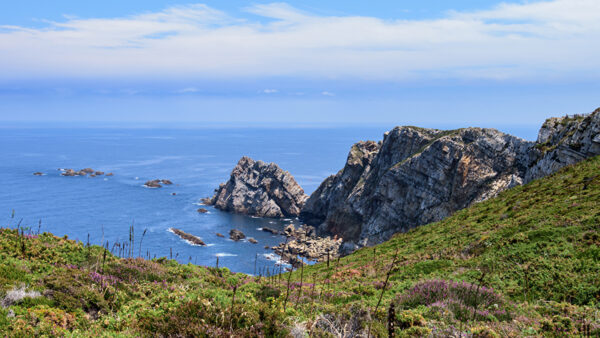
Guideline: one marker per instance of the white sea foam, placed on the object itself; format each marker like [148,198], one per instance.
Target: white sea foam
[276,258]
[259,229]
[225,254]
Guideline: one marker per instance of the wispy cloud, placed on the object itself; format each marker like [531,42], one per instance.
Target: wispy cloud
[533,40]
[327,94]
[270,91]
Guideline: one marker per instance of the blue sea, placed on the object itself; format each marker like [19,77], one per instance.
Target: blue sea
[197,160]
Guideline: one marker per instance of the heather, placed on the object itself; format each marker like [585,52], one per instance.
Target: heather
[526,263]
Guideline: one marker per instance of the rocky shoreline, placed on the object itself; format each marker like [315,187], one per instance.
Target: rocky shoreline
[303,242]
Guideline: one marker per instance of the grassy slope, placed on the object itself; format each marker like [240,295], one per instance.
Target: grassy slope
[537,245]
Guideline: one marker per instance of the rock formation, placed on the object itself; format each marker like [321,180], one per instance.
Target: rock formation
[417,176]
[236,235]
[188,237]
[259,189]
[202,210]
[303,242]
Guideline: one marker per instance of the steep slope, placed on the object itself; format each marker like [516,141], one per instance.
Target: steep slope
[416,176]
[259,189]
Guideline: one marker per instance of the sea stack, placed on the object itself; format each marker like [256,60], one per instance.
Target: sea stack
[256,188]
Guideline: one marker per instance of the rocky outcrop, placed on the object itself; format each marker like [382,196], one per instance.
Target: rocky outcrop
[156,183]
[188,237]
[417,176]
[236,235]
[259,189]
[303,242]
[202,210]
[564,141]
[414,176]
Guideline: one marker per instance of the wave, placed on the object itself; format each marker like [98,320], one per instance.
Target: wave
[225,254]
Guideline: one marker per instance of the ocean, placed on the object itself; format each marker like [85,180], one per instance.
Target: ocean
[197,160]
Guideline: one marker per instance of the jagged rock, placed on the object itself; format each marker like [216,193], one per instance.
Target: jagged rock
[166,182]
[417,176]
[202,210]
[188,237]
[236,235]
[259,189]
[37,173]
[273,231]
[206,201]
[219,235]
[564,141]
[87,170]
[153,184]
[299,243]
[69,172]
[414,176]
[252,240]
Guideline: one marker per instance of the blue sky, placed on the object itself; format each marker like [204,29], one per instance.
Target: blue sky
[431,63]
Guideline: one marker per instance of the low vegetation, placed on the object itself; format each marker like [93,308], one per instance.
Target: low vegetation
[526,263]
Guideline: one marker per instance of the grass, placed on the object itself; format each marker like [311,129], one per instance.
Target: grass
[525,263]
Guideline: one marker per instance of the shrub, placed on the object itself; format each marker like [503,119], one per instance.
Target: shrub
[466,301]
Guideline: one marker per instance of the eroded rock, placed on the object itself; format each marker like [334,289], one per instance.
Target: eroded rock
[259,189]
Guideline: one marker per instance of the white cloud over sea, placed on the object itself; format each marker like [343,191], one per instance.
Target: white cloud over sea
[530,41]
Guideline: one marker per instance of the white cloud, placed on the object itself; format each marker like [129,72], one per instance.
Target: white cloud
[188,90]
[532,41]
[270,91]
[327,94]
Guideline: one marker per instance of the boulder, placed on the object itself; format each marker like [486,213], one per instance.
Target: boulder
[188,237]
[202,210]
[273,231]
[37,173]
[109,174]
[166,182]
[87,170]
[259,189]
[98,173]
[153,184]
[252,240]
[219,235]
[236,235]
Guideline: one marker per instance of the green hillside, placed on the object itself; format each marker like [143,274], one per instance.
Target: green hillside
[526,263]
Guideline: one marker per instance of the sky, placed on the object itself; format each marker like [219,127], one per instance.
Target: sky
[431,63]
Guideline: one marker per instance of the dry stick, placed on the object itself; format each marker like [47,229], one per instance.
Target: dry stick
[288,289]
[255,260]
[39,226]
[476,293]
[144,234]
[387,278]
[217,262]
[231,312]
[301,272]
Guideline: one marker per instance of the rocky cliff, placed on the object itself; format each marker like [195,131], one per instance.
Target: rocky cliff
[259,189]
[417,176]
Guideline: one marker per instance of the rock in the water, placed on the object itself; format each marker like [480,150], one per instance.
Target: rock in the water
[188,237]
[98,173]
[109,174]
[88,170]
[202,210]
[417,176]
[273,231]
[259,189]
[252,240]
[69,172]
[166,182]
[206,201]
[236,235]
[219,235]
[92,175]
[153,184]
[37,173]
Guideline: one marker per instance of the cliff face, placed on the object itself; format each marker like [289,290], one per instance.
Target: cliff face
[564,141]
[260,189]
[417,176]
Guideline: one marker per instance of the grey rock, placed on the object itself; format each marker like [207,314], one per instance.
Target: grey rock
[236,235]
[563,141]
[414,176]
[417,176]
[259,189]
